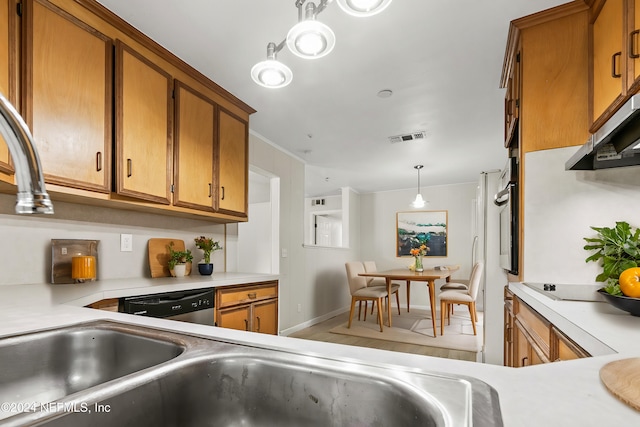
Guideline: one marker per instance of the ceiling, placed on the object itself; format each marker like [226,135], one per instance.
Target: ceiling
[441,58]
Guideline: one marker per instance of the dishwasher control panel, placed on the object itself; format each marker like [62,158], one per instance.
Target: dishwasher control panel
[168,304]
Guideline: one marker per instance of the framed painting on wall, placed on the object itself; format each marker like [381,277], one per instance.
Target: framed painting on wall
[414,228]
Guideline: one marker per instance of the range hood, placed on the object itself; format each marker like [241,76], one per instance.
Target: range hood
[615,144]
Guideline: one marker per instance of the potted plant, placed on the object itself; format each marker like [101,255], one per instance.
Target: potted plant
[178,261]
[618,248]
[208,245]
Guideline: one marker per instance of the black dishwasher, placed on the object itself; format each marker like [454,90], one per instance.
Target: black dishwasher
[193,306]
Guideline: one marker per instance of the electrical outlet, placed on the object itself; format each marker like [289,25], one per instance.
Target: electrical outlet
[299,308]
[63,251]
[126,243]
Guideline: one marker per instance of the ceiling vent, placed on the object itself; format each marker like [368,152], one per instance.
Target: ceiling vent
[413,136]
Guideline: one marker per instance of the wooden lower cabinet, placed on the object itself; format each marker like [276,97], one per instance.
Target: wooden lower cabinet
[530,339]
[252,307]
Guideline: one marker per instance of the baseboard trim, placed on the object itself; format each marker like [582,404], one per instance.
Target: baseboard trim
[314,321]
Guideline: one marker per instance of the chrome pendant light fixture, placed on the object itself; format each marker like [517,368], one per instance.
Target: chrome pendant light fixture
[363,8]
[419,201]
[308,39]
[272,73]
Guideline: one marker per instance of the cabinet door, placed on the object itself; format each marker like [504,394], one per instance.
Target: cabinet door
[235,317]
[144,122]
[608,59]
[633,34]
[68,102]
[6,48]
[232,164]
[508,337]
[512,103]
[265,317]
[521,347]
[194,149]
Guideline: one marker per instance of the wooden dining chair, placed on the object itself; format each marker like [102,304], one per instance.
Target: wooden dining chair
[360,292]
[468,298]
[370,267]
[455,285]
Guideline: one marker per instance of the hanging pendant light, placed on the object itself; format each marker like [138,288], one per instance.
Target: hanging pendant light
[310,39]
[419,201]
[363,8]
[272,73]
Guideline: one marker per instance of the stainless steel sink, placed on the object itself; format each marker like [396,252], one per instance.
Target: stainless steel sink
[45,366]
[217,383]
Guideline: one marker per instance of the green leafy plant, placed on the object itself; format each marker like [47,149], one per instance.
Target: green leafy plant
[618,248]
[208,245]
[178,257]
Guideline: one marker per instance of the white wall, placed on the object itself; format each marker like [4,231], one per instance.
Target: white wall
[560,206]
[28,239]
[378,229]
[255,240]
[312,279]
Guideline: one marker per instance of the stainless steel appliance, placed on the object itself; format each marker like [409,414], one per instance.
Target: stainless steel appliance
[194,306]
[507,199]
[616,143]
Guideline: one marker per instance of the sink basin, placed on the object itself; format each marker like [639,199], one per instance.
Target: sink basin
[45,366]
[265,388]
[215,383]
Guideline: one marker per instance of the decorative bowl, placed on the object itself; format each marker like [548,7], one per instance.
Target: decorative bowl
[631,305]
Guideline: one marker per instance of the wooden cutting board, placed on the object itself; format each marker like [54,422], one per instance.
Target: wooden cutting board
[159,256]
[622,378]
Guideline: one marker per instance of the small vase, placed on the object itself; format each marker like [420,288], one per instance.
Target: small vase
[419,263]
[205,269]
[179,270]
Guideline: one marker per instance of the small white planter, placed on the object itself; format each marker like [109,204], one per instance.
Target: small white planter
[179,270]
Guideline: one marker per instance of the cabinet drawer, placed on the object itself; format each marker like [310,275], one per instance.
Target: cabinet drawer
[233,295]
[566,349]
[536,326]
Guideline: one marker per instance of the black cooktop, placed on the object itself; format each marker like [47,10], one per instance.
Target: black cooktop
[569,292]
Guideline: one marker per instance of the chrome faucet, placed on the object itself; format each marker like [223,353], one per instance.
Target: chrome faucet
[32,194]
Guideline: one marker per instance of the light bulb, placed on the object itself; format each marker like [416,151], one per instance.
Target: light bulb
[418,202]
[310,39]
[271,74]
[363,8]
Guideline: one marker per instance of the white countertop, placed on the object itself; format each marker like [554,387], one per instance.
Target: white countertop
[565,393]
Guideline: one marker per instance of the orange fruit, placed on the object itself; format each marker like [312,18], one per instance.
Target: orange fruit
[630,282]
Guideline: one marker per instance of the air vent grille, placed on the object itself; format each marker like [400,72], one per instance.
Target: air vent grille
[413,136]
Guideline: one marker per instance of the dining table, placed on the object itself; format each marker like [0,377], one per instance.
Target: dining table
[427,275]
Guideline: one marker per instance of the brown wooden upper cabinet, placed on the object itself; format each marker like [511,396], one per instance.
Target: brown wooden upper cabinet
[118,118]
[144,127]
[512,101]
[232,163]
[615,56]
[6,49]
[67,88]
[194,149]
